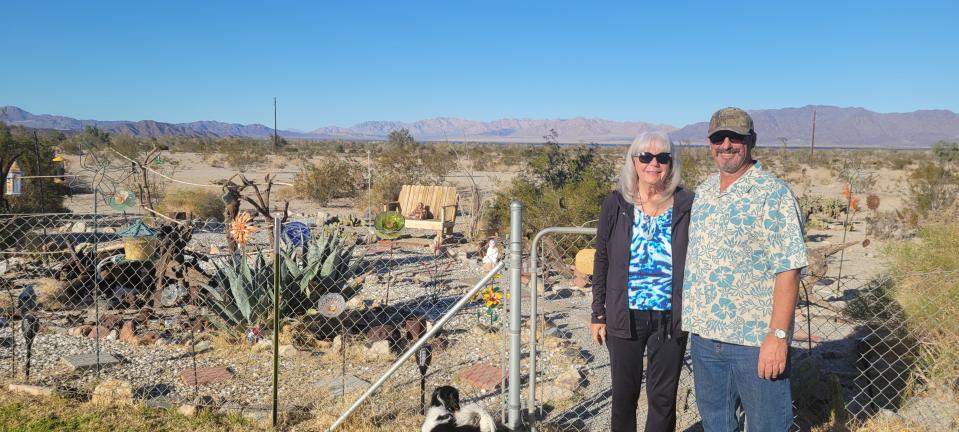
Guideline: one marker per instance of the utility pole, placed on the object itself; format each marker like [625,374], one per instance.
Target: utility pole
[275,140]
[812,144]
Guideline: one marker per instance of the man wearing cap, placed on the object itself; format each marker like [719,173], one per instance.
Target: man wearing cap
[746,249]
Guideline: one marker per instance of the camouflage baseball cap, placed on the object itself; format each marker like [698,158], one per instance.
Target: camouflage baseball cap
[730,119]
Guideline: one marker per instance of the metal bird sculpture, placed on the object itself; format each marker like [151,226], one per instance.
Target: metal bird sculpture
[30,326]
[424,356]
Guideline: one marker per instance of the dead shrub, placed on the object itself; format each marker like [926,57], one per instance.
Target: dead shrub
[202,203]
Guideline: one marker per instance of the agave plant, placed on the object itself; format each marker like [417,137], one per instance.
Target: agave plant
[241,293]
[325,264]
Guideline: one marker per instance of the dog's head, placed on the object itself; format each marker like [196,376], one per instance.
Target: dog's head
[447,397]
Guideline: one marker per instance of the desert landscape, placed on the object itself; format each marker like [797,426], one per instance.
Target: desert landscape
[176,347]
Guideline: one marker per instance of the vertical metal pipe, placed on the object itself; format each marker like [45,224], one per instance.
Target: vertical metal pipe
[96,276]
[533,316]
[515,310]
[276,314]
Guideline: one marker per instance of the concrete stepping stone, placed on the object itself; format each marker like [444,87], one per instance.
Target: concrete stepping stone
[335,385]
[79,362]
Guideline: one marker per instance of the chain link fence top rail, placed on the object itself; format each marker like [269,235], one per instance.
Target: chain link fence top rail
[101,307]
[861,347]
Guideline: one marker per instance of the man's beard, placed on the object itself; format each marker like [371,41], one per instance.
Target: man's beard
[733,165]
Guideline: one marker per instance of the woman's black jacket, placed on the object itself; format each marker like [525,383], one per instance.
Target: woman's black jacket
[614,234]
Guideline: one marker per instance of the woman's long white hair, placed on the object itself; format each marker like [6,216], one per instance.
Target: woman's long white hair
[653,142]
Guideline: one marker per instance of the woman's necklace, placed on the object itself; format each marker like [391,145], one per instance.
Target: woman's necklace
[649,222]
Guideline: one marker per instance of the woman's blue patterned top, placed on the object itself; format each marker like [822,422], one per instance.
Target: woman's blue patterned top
[651,262]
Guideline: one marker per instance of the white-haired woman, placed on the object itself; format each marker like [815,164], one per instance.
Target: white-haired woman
[641,242]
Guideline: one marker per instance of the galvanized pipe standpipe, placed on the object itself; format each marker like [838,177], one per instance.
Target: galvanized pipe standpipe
[533,281]
[412,349]
[515,311]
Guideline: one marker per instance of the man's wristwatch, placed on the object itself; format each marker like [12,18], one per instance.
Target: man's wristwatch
[779,333]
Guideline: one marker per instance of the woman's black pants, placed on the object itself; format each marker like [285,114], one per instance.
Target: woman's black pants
[665,354]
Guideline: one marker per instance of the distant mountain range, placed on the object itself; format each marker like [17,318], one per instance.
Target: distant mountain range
[835,127]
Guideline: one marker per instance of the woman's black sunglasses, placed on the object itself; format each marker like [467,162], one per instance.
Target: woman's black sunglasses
[647,157]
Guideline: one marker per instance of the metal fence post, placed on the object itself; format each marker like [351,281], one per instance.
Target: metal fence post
[276,314]
[515,310]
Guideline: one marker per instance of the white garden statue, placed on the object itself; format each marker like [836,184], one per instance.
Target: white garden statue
[492,253]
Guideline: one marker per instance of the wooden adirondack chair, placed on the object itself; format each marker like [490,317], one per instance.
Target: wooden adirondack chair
[442,202]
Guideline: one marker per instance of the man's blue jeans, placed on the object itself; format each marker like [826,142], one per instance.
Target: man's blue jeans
[725,376]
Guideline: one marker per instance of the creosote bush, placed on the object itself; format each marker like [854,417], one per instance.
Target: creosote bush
[933,187]
[560,187]
[329,179]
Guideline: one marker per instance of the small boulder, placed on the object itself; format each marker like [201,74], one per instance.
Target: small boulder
[187,410]
[554,393]
[378,350]
[571,379]
[263,345]
[99,331]
[288,351]
[128,333]
[387,332]
[110,321]
[554,342]
[112,392]
[149,338]
[81,330]
[415,327]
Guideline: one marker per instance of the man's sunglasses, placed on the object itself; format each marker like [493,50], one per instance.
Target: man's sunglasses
[734,138]
[647,157]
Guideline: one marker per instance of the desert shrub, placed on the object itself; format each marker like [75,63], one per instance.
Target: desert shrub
[696,165]
[401,160]
[932,188]
[898,159]
[822,208]
[332,178]
[858,175]
[927,288]
[241,160]
[203,203]
[561,187]
[243,153]
[946,151]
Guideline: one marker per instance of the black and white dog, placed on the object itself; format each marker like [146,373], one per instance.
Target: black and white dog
[446,415]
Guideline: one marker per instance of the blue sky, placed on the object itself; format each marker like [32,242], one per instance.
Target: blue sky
[339,63]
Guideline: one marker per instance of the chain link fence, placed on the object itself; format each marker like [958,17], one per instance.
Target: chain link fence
[862,347]
[134,308]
